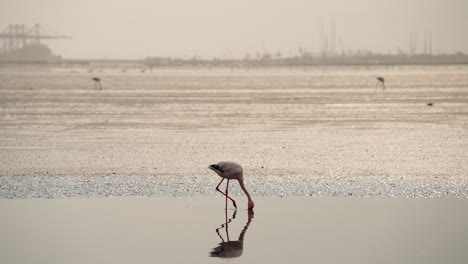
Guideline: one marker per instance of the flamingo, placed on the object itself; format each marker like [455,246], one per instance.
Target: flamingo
[381,80]
[231,171]
[97,81]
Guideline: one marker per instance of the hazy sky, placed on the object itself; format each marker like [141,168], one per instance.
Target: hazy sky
[220,28]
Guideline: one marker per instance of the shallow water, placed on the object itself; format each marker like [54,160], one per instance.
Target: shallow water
[282,230]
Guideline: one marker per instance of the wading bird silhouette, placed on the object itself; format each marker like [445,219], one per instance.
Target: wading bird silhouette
[231,171]
[381,82]
[97,81]
[231,249]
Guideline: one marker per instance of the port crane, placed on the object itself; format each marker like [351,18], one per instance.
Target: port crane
[16,37]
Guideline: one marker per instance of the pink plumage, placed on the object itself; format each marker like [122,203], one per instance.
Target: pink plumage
[231,171]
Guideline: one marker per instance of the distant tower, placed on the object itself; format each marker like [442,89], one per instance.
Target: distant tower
[411,41]
[430,43]
[425,43]
[332,37]
[321,38]
[415,43]
[326,48]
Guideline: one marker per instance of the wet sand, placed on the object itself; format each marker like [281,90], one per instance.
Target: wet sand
[294,229]
[320,131]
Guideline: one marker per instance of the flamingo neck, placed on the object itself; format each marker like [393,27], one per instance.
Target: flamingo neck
[242,185]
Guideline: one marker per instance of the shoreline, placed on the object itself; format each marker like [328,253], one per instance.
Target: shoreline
[99,186]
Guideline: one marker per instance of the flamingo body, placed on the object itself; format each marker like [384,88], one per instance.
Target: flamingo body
[228,170]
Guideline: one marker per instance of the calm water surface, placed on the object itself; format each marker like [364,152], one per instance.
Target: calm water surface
[294,230]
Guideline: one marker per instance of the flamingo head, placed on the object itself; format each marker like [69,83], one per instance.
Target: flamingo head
[251,205]
[216,168]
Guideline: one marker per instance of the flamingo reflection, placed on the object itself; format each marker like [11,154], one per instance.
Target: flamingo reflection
[227,248]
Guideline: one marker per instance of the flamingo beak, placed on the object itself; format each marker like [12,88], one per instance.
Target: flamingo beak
[215,168]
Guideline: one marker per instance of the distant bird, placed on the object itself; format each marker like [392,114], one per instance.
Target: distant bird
[381,81]
[230,171]
[430,104]
[97,81]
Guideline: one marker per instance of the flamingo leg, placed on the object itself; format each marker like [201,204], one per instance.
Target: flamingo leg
[225,194]
[227,187]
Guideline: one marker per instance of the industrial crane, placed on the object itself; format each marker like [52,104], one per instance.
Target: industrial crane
[16,37]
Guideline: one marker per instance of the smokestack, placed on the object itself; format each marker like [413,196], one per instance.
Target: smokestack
[320,38]
[415,43]
[411,44]
[332,37]
[425,43]
[430,43]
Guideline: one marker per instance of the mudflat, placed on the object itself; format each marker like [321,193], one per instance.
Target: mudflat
[318,131]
